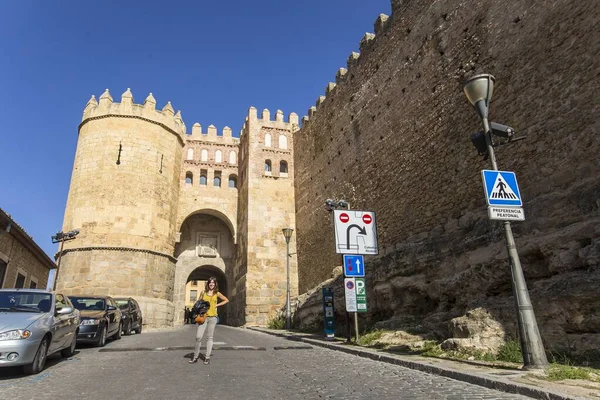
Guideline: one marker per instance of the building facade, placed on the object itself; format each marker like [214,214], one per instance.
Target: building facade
[158,207]
[23,264]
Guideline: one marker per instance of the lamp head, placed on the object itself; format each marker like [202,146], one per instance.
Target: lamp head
[287,233]
[342,203]
[479,90]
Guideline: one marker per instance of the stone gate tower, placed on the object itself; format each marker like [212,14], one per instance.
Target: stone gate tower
[123,196]
[157,208]
[266,206]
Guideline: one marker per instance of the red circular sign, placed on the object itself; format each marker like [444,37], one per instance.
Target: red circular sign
[367,219]
[344,217]
[350,285]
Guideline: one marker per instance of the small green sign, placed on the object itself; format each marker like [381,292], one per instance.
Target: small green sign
[361,295]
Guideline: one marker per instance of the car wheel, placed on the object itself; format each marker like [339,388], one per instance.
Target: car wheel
[117,335]
[139,328]
[127,329]
[69,351]
[102,338]
[40,359]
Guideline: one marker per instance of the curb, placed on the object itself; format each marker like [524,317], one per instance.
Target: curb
[475,379]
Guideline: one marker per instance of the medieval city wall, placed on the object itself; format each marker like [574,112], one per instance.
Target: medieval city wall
[392,135]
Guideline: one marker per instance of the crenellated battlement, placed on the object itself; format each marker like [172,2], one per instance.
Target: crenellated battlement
[277,122]
[212,135]
[353,59]
[106,107]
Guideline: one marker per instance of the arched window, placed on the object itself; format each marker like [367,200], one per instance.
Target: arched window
[283,167]
[232,181]
[190,154]
[202,180]
[282,142]
[268,140]
[189,178]
[218,156]
[217,182]
[232,158]
[204,155]
[268,166]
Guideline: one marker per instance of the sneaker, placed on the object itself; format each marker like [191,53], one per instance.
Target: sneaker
[206,361]
[193,360]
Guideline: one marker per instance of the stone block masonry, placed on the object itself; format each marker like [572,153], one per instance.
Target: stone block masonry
[393,136]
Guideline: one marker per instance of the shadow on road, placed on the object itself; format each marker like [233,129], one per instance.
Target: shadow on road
[8,373]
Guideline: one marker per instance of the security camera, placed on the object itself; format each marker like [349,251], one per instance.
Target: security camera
[330,205]
[342,203]
[502,130]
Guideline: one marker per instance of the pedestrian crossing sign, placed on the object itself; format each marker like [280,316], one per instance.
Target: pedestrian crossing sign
[501,188]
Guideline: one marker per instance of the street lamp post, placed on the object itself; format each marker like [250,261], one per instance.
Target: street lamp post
[287,233]
[62,238]
[478,90]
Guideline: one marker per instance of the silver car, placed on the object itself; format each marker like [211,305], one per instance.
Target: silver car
[33,325]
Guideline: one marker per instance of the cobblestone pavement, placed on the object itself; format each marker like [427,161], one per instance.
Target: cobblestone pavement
[245,365]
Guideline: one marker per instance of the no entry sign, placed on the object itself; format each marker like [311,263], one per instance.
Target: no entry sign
[355,232]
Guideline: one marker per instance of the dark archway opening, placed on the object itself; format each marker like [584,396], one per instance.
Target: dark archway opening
[201,275]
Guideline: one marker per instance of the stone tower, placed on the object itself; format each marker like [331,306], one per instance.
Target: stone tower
[123,198]
[266,206]
[158,208]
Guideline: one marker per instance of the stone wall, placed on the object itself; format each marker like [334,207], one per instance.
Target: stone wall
[393,136]
[146,276]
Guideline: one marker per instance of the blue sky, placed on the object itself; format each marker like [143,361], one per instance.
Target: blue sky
[211,59]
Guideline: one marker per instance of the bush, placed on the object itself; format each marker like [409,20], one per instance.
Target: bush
[277,322]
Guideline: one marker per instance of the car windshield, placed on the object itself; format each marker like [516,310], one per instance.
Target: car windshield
[122,304]
[21,301]
[88,303]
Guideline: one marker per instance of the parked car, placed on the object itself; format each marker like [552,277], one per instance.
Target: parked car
[100,319]
[33,325]
[131,315]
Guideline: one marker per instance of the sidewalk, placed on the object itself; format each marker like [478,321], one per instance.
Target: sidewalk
[493,377]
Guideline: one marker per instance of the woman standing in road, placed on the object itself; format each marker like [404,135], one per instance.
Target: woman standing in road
[210,294]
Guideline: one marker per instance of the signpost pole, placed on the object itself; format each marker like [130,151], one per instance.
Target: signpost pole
[356,312]
[532,347]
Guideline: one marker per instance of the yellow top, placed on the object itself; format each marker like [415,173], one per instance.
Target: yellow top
[212,310]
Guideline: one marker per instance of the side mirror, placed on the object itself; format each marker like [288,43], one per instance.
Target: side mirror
[111,308]
[64,310]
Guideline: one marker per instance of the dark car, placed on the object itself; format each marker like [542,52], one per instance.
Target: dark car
[131,315]
[100,319]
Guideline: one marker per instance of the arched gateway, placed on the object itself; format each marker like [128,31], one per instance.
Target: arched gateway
[157,207]
[206,248]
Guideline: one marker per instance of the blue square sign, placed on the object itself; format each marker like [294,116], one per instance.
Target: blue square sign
[354,265]
[501,188]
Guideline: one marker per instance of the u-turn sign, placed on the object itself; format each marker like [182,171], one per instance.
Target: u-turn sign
[355,232]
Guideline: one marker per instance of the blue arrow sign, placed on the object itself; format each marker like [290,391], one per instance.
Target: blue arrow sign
[354,265]
[501,188]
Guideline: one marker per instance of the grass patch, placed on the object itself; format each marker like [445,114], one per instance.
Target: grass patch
[367,339]
[431,348]
[276,323]
[510,351]
[559,372]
